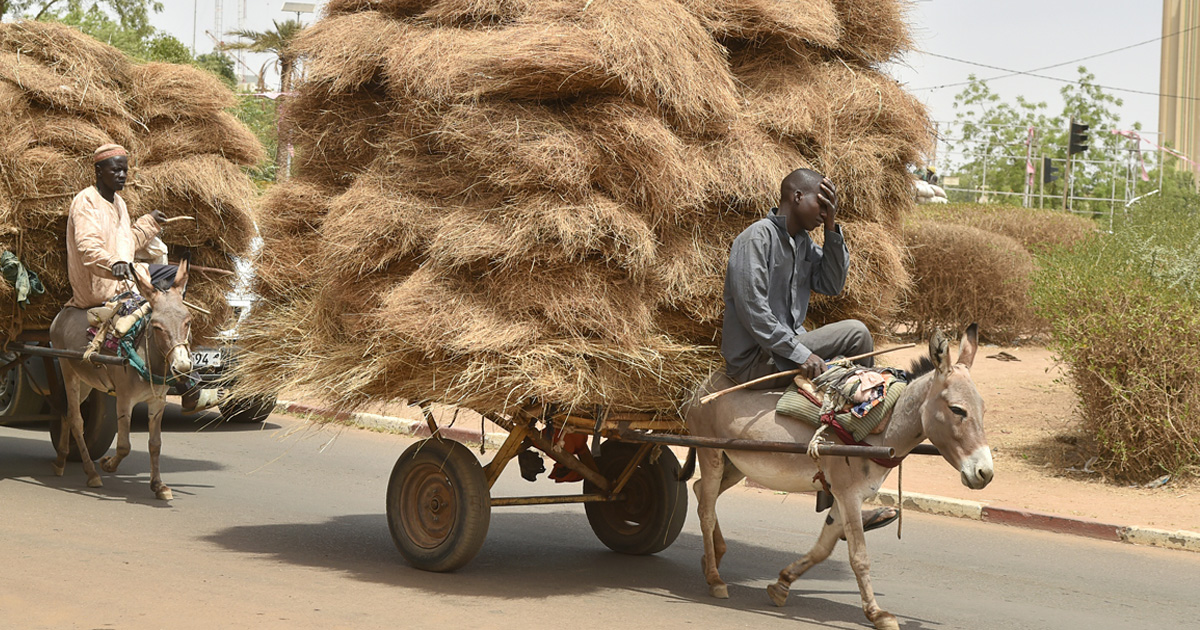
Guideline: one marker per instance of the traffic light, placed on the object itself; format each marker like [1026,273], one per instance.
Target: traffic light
[1049,172]
[1079,138]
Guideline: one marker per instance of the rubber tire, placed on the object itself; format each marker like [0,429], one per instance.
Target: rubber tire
[17,396]
[247,410]
[445,473]
[99,426]
[652,515]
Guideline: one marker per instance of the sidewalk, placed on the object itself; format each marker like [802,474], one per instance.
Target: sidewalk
[930,485]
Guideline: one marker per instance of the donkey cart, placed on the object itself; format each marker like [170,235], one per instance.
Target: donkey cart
[31,389]
[439,497]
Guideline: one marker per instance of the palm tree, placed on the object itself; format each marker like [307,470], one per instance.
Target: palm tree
[277,42]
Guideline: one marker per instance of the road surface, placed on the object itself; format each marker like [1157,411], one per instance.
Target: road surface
[283,526]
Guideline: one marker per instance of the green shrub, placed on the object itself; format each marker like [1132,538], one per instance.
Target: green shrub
[1124,318]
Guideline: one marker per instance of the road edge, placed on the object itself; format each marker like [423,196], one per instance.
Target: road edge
[959,508]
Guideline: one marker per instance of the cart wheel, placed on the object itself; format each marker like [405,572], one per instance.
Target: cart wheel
[17,396]
[652,515]
[99,426]
[438,505]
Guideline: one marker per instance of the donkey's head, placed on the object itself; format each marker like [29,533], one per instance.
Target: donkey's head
[952,414]
[170,322]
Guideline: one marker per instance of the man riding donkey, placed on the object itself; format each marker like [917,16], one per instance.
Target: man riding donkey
[114,296]
[774,266]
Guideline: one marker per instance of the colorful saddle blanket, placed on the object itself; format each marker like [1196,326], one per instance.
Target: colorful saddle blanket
[119,310]
[856,398]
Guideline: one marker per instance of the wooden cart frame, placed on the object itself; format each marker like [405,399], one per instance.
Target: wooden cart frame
[439,496]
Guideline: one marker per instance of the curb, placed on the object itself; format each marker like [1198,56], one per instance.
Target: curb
[926,503]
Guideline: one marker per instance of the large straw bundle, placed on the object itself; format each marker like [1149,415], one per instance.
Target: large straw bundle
[506,200]
[62,94]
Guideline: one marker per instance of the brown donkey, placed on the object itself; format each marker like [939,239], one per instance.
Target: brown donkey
[163,346]
[941,404]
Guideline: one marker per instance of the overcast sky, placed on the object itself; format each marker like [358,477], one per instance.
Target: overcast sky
[1016,35]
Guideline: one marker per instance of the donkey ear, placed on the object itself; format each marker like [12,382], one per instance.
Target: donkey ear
[142,279]
[968,345]
[181,274]
[939,351]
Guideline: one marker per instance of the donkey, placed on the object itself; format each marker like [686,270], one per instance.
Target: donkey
[941,404]
[163,346]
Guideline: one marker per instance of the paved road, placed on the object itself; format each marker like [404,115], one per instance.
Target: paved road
[282,527]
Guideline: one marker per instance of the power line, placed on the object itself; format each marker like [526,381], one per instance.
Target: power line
[1042,76]
[1013,73]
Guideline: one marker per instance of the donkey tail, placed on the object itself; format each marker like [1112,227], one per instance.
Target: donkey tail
[689,465]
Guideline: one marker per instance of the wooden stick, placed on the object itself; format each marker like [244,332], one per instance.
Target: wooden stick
[711,397]
[196,308]
[203,269]
[174,219]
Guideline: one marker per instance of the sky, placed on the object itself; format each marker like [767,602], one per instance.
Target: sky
[1016,35]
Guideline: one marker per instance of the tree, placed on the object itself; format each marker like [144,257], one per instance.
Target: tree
[993,136]
[277,42]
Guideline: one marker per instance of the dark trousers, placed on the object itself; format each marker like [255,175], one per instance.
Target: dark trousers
[162,276]
[846,338]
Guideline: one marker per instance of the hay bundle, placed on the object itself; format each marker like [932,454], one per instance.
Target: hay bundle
[963,274]
[503,200]
[63,94]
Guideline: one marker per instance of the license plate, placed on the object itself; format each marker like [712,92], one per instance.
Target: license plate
[206,359]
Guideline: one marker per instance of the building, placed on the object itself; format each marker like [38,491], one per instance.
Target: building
[1179,84]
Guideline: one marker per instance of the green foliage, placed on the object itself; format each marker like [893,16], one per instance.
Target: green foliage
[219,64]
[260,115]
[1124,310]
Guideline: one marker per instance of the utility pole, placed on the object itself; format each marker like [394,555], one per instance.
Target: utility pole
[218,20]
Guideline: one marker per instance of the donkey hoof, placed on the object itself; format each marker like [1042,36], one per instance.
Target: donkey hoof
[95,482]
[108,465]
[720,591]
[778,594]
[58,470]
[164,493]
[885,621]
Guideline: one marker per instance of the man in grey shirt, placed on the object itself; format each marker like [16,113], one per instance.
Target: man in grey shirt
[774,266]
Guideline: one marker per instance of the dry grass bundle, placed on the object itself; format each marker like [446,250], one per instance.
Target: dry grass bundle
[877,284]
[337,137]
[67,51]
[663,56]
[873,31]
[297,208]
[534,62]
[176,92]
[59,91]
[515,199]
[1038,230]
[808,21]
[203,186]
[64,94]
[42,183]
[222,135]
[963,274]
[72,135]
[396,9]
[346,52]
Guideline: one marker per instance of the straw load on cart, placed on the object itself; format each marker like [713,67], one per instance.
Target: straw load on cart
[502,201]
[62,94]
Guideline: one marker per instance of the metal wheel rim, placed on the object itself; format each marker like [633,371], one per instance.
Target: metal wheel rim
[428,506]
[8,388]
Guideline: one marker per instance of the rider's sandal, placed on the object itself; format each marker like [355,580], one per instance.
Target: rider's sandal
[876,519]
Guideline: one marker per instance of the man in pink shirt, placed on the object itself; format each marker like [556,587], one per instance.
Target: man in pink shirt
[102,243]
